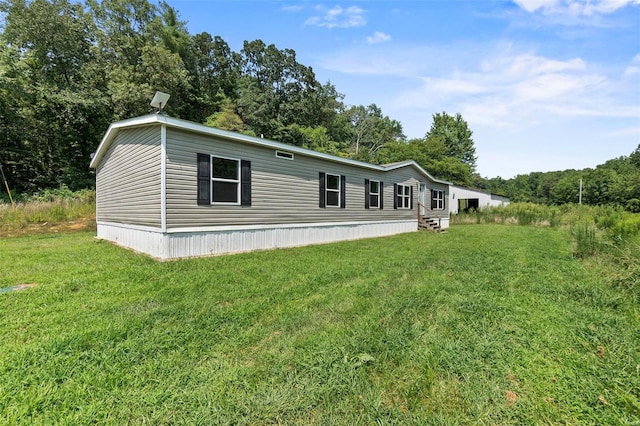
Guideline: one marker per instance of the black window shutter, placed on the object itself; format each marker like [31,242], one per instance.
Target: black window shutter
[395,195]
[204,179]
[381,192]
[366,193]
[433,200]
[245,183]
[321,179]
[411,197]
[343,192]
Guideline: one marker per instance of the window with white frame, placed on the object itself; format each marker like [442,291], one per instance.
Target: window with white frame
[225,180]
[437,199]
[373,194]
[332,191]
[403,196]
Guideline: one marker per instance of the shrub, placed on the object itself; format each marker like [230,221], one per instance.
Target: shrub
[626,228]
[633,205]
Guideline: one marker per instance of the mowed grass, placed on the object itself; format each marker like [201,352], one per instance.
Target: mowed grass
[486,324]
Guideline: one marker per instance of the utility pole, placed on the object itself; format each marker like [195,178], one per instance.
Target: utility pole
[580,193]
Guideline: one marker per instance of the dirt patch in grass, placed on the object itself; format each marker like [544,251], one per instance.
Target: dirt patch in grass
[18,287]
[14,230]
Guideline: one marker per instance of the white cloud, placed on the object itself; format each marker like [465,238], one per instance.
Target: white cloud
[574,7]
[520,89]
[293,7]
[495,89]
[518,101]
[456,86]
[339,17]
[532,5]
[378,37]
[407,61]
[529,64]
[634,67]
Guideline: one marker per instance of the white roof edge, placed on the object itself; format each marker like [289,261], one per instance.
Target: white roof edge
[468,188]
[114,128]
[112,131]
[417,166]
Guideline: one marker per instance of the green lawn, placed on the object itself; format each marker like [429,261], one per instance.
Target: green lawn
[485,324]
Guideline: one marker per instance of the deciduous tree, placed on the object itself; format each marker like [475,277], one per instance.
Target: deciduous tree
[456,136]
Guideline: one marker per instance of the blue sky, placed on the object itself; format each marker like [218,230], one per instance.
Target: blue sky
[543,84]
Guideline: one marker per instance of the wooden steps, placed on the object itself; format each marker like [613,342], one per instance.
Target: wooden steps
[429,224]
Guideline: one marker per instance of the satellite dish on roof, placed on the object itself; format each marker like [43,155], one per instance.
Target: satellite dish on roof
[159,100]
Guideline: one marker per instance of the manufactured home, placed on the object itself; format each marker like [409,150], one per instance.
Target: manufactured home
[462,199]
[171,188]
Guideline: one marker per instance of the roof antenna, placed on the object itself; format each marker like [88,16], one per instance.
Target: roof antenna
[159,100]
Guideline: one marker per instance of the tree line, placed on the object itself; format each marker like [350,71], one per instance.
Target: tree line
[614,183]
[69,69]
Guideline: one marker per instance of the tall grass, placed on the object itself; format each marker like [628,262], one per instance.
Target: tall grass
[615,222]
[542,215]
[49,207]
[586,239]
[610,234]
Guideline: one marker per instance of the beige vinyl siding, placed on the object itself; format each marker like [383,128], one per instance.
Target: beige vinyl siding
[128,179]
[437,213]
[283,191]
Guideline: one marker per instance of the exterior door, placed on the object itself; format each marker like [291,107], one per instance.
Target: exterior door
[422,198]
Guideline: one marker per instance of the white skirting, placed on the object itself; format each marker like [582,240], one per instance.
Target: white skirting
[176,244]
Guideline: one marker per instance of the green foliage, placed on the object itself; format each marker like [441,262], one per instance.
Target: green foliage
[52,93]
[371,131]
[274,90]
[431,154]
[633,205]
[316,138]
[455,134]
[634,157]
[614,183]
[626,228]
[446,152]
[50,206]
[226,118]
[514,213]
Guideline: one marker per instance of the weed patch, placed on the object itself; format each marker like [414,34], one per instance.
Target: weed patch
[51,211]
